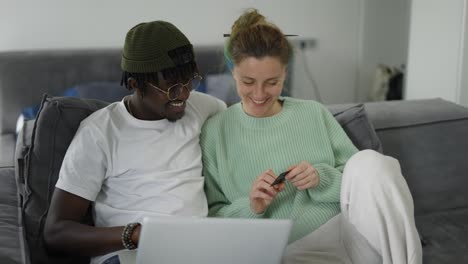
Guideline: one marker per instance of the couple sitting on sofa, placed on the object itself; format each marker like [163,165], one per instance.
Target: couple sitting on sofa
[142,157]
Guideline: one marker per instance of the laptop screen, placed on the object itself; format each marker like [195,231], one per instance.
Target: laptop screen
[174,240]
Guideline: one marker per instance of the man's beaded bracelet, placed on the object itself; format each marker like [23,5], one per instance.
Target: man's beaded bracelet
[127,236]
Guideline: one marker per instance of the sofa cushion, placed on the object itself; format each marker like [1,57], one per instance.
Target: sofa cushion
[11,246]
[38,166]
[444,236]
[429,138]
[353,119]
[7,150]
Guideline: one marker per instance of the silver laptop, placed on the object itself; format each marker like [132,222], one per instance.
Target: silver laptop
[174,240]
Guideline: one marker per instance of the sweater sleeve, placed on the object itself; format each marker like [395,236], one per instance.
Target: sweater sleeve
[218,204]
[329,186]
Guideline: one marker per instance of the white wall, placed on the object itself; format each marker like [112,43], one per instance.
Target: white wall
[385,33]
[87,23]
[436,49]
[333,61]
[52,24]
[464,82]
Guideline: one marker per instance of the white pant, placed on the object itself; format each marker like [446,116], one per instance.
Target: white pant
[376,223]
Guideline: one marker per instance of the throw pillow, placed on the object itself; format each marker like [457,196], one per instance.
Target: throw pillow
[357,126]
[39,165]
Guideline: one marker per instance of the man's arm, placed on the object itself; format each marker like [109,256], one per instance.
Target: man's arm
[63,231]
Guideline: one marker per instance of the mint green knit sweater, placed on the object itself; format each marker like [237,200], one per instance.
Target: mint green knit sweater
[237,148]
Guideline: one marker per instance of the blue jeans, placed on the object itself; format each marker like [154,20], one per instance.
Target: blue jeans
[112,260]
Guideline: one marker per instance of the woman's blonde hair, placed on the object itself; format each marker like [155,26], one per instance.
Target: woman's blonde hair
[253,36]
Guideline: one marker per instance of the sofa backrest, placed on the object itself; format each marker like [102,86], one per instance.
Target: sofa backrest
[430,139]
[39,157]
[26,75]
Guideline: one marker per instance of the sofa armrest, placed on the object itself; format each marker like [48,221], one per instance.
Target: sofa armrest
[12,243]
[429,139]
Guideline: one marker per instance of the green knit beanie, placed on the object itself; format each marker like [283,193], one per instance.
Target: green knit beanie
[147,45]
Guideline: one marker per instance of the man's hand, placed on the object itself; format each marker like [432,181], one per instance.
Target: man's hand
[136,235]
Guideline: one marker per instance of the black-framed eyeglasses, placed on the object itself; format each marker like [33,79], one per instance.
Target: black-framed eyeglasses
[175,90]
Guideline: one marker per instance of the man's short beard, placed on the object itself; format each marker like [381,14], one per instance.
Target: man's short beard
[177,117]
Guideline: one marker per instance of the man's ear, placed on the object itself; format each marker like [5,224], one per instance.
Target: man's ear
[132,83]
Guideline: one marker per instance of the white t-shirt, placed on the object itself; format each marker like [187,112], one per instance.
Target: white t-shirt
[132,168]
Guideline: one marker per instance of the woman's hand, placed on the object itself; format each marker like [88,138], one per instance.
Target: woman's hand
[262,194]
[303,176]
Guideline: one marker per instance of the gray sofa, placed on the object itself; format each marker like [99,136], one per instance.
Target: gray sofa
[428,137]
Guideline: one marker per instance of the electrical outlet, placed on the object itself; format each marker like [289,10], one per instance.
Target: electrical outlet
[308,43]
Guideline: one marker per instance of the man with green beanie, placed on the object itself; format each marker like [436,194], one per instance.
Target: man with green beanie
[138,157]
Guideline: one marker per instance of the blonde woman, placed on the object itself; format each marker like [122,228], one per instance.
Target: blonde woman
[347,206]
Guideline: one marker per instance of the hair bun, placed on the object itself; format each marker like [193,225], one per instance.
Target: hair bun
[249,19]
